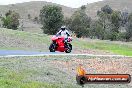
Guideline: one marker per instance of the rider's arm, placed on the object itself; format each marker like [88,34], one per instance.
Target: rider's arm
[68,34]
[59,33]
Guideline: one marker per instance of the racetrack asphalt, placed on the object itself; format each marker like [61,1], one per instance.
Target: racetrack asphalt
[22,52]
[15,53]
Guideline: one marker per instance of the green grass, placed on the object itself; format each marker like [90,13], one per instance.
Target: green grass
[41,72]
[13,79]
[17,72]
[117,48]
[7,83]
[19,40]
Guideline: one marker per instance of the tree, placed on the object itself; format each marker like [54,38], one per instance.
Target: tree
[51,18]
[107,9]
[116,21]
[124,18]
[80,23]
[11,20]
[83,7]
[96,30]
[110,21]
[129,28]
[104,22]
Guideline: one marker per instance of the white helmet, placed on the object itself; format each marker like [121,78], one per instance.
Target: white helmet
[63,28]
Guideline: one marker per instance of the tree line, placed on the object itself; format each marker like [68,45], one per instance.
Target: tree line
[108,25]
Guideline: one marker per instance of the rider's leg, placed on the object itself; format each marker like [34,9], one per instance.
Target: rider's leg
[65,41]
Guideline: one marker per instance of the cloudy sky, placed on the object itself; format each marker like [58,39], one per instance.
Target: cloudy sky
[69,3]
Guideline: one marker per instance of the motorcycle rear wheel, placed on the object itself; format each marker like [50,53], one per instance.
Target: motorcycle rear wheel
[52,47]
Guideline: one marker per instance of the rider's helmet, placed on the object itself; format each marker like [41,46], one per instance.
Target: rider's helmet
[63,28]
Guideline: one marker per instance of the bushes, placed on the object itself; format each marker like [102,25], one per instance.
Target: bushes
[10,20]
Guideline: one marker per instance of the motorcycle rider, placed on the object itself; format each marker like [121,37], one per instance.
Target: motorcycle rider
[64,33]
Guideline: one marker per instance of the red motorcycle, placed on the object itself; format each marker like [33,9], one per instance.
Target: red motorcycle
[59,44]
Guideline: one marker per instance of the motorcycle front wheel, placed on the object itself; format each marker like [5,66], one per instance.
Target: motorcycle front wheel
[69,48]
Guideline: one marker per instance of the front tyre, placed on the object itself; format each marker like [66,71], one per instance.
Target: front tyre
[52,47]
[69,48]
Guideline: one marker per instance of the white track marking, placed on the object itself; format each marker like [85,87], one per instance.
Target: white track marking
[91,55]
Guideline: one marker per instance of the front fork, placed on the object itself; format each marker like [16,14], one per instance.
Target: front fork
[55,44]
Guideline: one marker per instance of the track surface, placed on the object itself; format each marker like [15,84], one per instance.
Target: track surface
[22,52]
[15,53]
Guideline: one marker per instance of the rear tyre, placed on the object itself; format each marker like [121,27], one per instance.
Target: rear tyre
[52,47]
